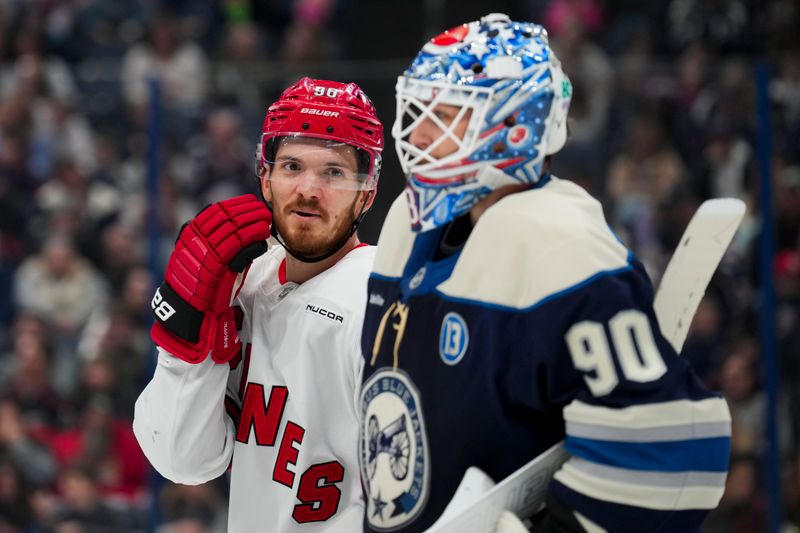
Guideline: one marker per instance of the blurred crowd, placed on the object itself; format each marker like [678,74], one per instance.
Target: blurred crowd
[664,116]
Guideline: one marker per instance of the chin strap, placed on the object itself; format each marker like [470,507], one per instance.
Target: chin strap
[332,250]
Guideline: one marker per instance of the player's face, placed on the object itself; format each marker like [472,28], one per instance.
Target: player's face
[428,131]
[310,213]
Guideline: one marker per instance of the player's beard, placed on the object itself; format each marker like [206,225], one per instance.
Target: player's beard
[312,238]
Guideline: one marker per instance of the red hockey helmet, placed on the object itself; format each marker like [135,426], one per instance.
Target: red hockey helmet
[323,109]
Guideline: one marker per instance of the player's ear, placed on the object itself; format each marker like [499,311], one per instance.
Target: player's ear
[367,198]
[266,188]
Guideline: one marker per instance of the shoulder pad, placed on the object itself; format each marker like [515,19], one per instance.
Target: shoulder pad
[396,240]
[534,245]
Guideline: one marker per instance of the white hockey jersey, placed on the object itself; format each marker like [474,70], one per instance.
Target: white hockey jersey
[289,427]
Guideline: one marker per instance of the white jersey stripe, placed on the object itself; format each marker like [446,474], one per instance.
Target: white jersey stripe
[703,430]
[658,479]
[644,495]
[653,415]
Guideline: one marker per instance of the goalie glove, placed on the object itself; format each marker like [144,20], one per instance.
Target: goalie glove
[192,308]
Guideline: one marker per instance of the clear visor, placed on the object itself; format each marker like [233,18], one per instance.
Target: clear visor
[321,162]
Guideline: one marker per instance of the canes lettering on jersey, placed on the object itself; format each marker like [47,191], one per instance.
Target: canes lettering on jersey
[319,493]
[317,490]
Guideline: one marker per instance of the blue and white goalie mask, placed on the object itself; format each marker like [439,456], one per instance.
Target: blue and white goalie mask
[480,107]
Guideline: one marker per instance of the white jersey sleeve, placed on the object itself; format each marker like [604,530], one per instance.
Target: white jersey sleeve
[179,422]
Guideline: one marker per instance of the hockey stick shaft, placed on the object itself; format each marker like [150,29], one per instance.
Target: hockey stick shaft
[694,262]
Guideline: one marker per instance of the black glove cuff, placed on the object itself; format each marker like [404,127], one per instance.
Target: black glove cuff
[176,315]
[247,255]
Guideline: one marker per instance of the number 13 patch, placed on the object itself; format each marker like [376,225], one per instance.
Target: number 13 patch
[454,338]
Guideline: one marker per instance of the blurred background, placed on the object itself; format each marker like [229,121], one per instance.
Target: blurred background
[675,101]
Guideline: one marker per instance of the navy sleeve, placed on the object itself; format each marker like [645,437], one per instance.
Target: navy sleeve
[649,444]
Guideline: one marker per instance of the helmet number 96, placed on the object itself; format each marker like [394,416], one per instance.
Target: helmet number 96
[330,92]
[632,339]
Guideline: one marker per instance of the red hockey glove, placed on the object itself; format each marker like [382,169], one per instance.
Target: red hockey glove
[192,308]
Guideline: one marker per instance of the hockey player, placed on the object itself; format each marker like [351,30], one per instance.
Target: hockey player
[503,315]
[277,402]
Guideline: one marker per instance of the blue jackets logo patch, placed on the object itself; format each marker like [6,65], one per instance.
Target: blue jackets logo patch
[393,450]
[454,338]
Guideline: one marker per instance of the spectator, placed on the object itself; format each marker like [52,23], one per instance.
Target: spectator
[123,325]
[180,66]
[192,508]
[82,509]
[743,507]
[723,24]
[121,251]
[35,74]
[727,168]
[68,191]
[740,384]
[240,57]
[560,12]
[785,88]
[787,207]
[586,64]
[704,342]
[16,182]
[59,286]
[16,513]
[28,383]
[649,168]
[644,173]
[104,446]
[307,37]
[29,459]
[221,161]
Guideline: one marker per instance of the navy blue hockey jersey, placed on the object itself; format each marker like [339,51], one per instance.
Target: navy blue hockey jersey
[541,328]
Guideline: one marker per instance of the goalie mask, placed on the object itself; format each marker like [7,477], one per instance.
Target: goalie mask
[512,100]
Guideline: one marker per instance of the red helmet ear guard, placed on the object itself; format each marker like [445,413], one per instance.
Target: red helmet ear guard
[324,109]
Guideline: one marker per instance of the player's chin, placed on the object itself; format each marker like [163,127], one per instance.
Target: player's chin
[309,241]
